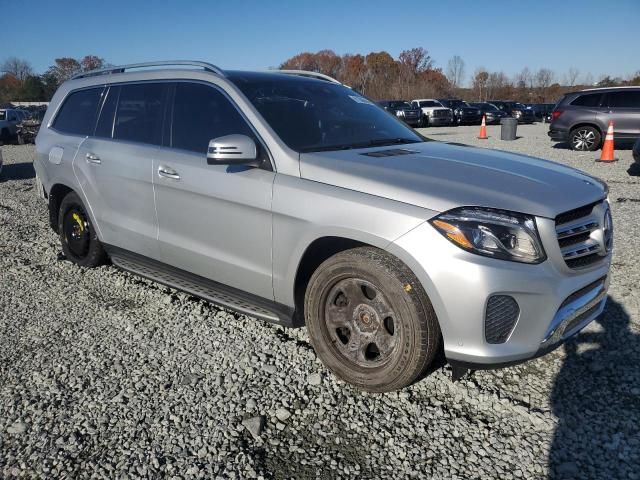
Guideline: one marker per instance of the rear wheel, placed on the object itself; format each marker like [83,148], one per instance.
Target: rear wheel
[79,240]
[370,321]
[585,139]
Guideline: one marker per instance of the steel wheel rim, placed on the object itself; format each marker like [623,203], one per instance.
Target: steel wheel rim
[76,231]
[360,323]
[584,139]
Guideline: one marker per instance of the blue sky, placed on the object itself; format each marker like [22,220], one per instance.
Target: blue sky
[594,36]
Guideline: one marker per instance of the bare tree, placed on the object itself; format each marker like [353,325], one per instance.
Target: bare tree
[572,76]
[20,69]
[480,78]
[543,78]
[588,79]
[455,71]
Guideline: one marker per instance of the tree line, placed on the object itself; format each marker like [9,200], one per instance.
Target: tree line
[378,75]
[20,83]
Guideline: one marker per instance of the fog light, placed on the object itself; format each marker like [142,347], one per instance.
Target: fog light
[500,318]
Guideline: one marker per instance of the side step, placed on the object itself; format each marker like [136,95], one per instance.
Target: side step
[201,287]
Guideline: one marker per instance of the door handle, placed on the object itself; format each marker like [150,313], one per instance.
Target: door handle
[93,158]
[168,172]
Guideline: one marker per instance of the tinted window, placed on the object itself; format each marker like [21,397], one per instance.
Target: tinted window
[590,100]
[78,112]
[105,120]
[314,115]
[202,113]
[430,104]
[628,99]
[140,112]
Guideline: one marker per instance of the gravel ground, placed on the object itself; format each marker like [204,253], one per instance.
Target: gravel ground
[104,374]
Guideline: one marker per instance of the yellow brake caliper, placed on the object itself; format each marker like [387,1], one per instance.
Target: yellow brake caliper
[79,221]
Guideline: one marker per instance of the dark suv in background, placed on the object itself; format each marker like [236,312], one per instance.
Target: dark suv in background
[515,110]
[581,118]
[404,111]
[463,113]
[492,113]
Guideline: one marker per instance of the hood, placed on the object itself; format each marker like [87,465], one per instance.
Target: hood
[440,176]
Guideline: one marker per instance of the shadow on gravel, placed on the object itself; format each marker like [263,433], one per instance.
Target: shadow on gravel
[17,171]
[596,398]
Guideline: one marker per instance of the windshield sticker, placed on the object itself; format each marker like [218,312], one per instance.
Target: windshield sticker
[359,99]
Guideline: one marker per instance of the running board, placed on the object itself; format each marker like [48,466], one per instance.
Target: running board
[209,290]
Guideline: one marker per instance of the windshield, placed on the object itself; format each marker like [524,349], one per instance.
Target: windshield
[314,115]
[430,103]
[489,106]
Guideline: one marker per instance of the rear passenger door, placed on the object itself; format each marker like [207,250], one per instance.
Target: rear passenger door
[115,165]
[624,109]
[214,220]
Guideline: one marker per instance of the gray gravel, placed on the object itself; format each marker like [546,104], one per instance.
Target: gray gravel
[107,375]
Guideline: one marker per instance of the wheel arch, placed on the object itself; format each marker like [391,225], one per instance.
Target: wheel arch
[55,195]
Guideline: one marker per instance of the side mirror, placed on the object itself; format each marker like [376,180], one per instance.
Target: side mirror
[233,150]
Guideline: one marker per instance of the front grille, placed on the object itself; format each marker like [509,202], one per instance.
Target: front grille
[440,113]
[575,232]
[500,318]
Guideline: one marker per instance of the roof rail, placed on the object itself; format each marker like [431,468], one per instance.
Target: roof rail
[120,69]
[306,73]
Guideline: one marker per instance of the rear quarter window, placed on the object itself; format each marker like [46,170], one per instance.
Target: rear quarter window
[587,100]
[78,113]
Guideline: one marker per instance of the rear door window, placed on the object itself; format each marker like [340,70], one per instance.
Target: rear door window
[78,113]
[104,128]
[588,100]
[140,113]
[202,113]
[626,99]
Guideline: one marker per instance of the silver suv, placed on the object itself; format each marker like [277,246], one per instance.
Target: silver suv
[292,198]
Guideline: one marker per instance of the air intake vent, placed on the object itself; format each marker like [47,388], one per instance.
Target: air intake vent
[500,318]
[389,153]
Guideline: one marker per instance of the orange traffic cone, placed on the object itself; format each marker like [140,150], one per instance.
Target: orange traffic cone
[607,154]
[483,130]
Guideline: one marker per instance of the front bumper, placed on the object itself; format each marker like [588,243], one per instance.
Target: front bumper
[437,121]
[493,119]
[459,285]
[469,119]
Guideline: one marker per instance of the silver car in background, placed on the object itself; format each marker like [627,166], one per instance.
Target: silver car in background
[292,198]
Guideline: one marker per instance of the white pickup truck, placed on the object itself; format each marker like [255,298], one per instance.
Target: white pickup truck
[433,112]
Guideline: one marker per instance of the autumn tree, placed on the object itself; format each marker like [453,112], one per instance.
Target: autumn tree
[480,78]
[91,62]
[64,68]
[543,79]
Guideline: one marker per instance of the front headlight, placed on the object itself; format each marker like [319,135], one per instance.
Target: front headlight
[492,233]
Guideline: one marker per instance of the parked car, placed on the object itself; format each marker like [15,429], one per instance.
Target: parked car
[541,111]
[9,119]
[492,113]
[463,114]
[581,118]
[433,112]
[404,111]
[515,110]
[296,200]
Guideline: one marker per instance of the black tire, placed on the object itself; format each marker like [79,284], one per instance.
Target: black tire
[370,321]
[585,139]
[79,240]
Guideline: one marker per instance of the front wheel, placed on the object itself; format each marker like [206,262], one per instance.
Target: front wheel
[370,321]
[79,240]
[586,139]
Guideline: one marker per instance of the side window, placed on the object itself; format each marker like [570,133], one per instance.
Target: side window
[104,128]
[202,113]
[627,99]
[78,112]
[589,100]
[140,113]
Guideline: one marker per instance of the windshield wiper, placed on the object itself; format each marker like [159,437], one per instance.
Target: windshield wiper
[371,143]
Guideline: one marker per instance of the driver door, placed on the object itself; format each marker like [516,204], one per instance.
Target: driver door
[214,220]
